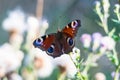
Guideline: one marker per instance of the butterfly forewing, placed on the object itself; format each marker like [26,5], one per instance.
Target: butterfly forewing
[72,28]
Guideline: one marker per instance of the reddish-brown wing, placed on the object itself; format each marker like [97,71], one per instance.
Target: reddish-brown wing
[72,28]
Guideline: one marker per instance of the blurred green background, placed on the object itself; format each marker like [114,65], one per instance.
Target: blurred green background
[59,13]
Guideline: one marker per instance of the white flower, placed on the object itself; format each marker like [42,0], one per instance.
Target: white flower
[75,54]
[43,63]
[107,43]
[16,40]
[15,76]
[66,62]
[113,74]
[100,76]
[86,40]
[33,27]
[96,40]
[32,31]
[2,71]
[44,26]
[32,22]
[10,59]
[15,21]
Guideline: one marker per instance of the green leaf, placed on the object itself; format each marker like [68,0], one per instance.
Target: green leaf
[100,24]
[111,33]
[116,38]
[116,21]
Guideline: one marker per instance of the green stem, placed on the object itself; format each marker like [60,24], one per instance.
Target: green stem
[88,63]
[117,73]
[116,57]
[79,73]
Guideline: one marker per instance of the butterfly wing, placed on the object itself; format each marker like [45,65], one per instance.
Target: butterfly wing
[69,32]
[50,44]
[72,28]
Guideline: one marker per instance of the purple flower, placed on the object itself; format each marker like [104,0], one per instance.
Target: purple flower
[96,40]
[86,40]
[107,43]
[113,75]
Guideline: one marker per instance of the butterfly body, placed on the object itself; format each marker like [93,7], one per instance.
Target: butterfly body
[59,43]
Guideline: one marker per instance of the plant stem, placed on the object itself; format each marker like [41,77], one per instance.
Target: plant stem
[116,58]
[117,73]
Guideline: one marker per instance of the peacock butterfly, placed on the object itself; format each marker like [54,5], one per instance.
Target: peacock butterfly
[56,44]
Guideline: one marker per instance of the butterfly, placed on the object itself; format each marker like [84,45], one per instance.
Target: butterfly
[62,42]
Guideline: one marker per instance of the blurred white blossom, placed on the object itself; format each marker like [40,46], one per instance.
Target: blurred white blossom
[75,54]
[96,40]
[66,62]
[43,63]
[44,26]
[16,40]
[15,76]
[107,43]
[113,74]
[100,76]
[33,26]
[35,29]
[15,21]
[86,40]
[10,58]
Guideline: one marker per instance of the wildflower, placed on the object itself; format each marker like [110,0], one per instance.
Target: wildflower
[86,40]
[43,63]
[107,43]
[15,76]
[10,58]
[44,26]
[36,28]
[15,21]
[75,54]
[100,76]
[113,74]
[16,40]
[66,64]
[2,70]
[32,31]
[96,40]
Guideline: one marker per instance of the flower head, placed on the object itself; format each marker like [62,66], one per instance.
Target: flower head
[15,21]
[100,76]
[67,65]
[43,63]
[96,40]
[75,55]
[107,43]
[10,58]
[86,40]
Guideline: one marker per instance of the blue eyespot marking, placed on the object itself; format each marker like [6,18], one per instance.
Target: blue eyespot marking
[38,42]
[70,41]
[50,49]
